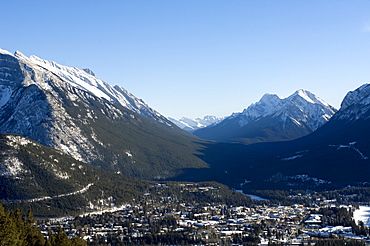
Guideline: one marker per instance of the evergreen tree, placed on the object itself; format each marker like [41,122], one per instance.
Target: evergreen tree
[8,229]
[19,231]
[33,234]
[59,239]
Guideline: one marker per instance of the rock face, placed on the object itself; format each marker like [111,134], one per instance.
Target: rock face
[71,110]
[272,119]
[355,104]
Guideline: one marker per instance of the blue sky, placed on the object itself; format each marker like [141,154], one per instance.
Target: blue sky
[195,58]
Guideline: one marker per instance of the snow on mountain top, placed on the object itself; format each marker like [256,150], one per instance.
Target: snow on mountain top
[265,106]
[191,125]
[5,52]
[19,54]
[85,79]
[304,95]
[269,98]
[309,97]
[270,102]
[75,76]
[299,101]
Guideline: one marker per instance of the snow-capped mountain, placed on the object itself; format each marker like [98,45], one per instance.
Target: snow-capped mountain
[351,121]
[339,150]
[71,110]
[355,104]
[273,118]
[85,79]
[335,156]
[301,106]
[191,125]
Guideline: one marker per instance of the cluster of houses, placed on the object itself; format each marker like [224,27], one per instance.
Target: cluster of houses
[212,224]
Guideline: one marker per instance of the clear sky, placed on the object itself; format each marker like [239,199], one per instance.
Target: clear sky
[200,57]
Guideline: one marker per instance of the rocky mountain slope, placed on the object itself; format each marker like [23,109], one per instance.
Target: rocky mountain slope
[273,118]
[53,183]
[191,125]
[73,111]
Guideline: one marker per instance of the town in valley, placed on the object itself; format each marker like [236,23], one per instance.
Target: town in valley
[169,221]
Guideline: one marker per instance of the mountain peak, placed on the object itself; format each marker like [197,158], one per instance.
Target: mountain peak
[355,105]
[87,70]
[273,117]
[19,54]
[360,95]
[301,93]
[305,95]
[5,52]
[308,97]
[265,106]
[270,98]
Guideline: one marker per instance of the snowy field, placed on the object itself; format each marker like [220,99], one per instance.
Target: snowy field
[252,196]
[362,214]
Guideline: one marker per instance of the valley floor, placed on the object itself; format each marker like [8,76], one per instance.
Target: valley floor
[170,222]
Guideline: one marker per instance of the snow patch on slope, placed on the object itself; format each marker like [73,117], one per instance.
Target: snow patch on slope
[128,153]
[18,140]
[351,146]
[291,157]
[11,166]
[5,93]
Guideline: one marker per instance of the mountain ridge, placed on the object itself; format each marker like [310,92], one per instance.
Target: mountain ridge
[269,118]
[86,80]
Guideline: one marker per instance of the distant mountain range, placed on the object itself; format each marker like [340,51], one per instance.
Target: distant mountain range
[272,119]
[191,125]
